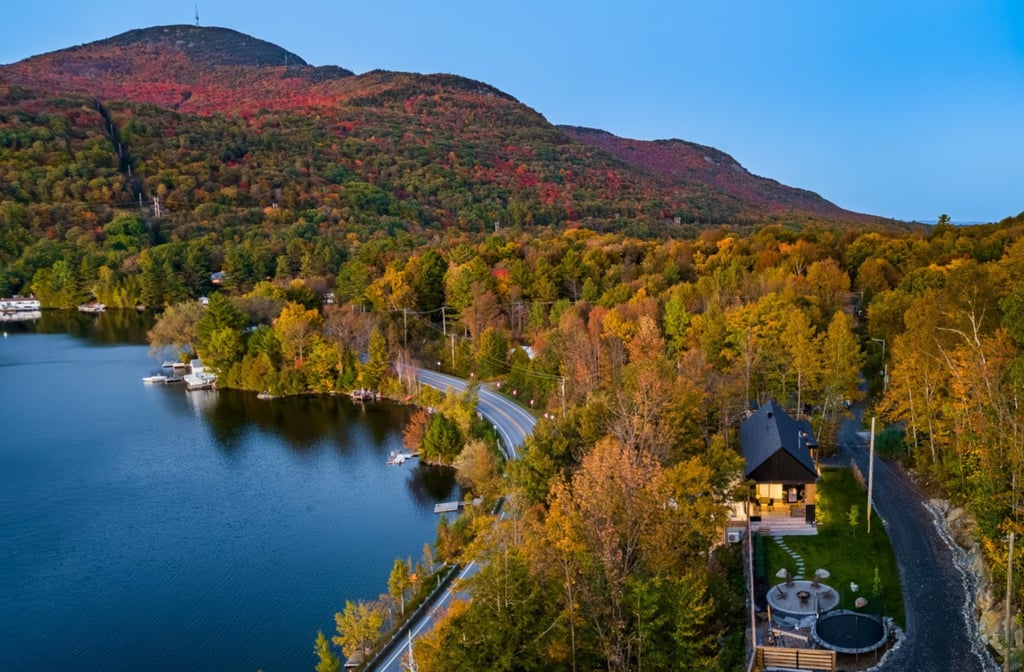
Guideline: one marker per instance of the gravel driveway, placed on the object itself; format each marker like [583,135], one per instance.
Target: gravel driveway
[938,590]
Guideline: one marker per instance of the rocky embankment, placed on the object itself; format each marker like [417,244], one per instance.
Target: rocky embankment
[990,609]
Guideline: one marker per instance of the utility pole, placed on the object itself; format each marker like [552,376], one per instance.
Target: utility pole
[871,470]
[563,395]
[444,323]
[405,328]
[1009,612]
[453,352]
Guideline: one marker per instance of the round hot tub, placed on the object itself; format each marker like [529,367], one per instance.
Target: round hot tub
[846,631]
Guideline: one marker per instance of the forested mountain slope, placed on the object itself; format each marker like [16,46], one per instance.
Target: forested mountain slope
[681,164]
[205,131]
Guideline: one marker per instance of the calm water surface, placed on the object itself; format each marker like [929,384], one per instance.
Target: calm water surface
[149,528]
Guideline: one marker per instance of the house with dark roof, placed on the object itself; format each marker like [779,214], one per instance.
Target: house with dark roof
[779,454]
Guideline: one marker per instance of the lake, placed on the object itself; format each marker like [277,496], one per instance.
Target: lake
[149,528]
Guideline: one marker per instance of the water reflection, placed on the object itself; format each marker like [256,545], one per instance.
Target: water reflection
[431,483]
[303,422]
[227,422]
[112,327]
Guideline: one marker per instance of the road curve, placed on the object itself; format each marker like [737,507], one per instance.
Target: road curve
[938,587]
[512,421]
[513,424]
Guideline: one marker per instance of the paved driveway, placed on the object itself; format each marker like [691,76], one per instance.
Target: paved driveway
[938,589]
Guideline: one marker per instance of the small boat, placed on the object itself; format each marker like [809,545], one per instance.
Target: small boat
[158,379]
[398,457]
[92,308]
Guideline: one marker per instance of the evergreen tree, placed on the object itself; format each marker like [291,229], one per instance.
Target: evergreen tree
[372,374]
[442,442]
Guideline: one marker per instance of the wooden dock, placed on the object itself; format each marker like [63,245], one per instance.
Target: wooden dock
[365,395]
[447,507]
[452,507]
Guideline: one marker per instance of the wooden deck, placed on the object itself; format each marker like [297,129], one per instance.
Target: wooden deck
[783,520]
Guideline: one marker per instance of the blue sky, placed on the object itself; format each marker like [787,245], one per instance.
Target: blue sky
[900,109]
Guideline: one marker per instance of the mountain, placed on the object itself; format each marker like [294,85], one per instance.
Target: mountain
[222,127]
[190,68]
[677,163]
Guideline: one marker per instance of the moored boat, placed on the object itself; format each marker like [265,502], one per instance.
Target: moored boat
[398,457]
[19,304]
[155,379]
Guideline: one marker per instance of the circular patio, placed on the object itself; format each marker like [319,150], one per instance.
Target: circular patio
[801,598]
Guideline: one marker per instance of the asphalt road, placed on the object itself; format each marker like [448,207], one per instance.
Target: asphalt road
[938,588]
[512,421]
[513,424]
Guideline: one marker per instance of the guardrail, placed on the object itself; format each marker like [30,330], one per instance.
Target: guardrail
[396,639]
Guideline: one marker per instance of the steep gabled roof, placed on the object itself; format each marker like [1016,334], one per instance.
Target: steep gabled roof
[775,447]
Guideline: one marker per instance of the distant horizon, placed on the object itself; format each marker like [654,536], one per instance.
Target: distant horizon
[934,220]
[861,104]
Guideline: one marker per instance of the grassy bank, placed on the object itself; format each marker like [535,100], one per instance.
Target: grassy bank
[847,551]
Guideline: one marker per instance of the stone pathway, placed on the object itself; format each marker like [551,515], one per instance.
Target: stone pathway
[800,569]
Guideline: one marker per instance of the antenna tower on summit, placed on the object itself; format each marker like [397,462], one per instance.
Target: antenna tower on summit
[197,15]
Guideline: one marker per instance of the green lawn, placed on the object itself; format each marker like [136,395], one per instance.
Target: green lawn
[849,554]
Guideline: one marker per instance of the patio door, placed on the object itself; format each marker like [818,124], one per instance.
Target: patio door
[770,491]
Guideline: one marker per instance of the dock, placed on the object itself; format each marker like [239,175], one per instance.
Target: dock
[452,507]
[199,378]
[365,395]
[162,379]
[200,382]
